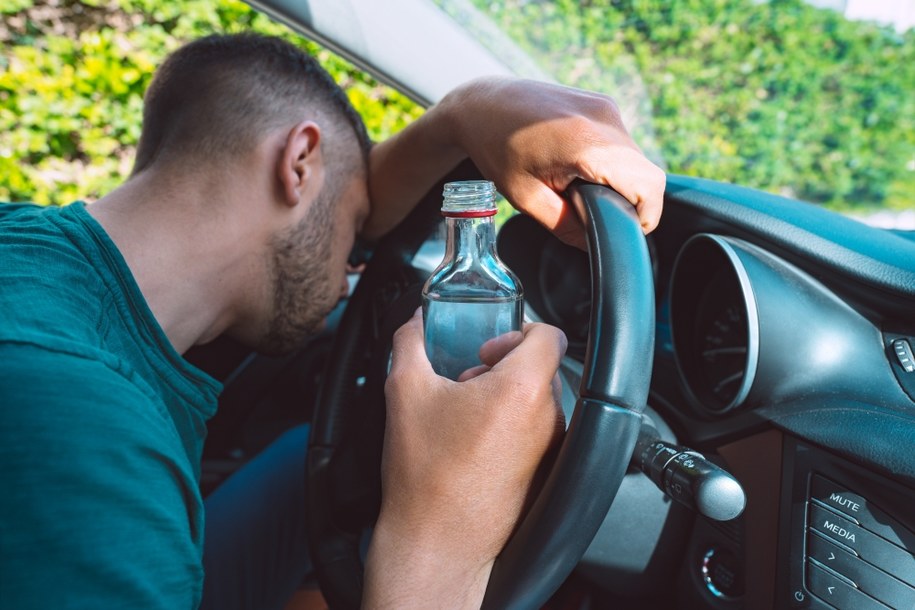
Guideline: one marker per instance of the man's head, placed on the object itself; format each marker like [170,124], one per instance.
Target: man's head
[216,97]
[262,112]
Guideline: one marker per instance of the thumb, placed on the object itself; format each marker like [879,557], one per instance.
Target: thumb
[496,348]
[537,355]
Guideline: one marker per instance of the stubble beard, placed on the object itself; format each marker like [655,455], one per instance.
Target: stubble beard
[303,290]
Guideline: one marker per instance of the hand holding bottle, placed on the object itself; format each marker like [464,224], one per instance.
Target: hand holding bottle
[452,493]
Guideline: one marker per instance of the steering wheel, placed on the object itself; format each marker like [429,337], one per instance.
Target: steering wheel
[343,469]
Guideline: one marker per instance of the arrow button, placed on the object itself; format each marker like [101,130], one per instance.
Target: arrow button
[840,594]
[845,567]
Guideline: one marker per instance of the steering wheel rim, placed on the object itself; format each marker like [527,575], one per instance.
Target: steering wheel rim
[595,453]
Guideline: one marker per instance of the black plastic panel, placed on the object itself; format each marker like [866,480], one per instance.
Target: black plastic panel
[846,534]
[899,359]
[876,268]
[871,548]
[713,575]
[838,592]
[872,581]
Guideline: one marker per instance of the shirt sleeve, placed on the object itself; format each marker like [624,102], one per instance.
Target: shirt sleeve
[99,507]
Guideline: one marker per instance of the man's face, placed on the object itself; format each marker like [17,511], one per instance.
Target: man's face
[309,263]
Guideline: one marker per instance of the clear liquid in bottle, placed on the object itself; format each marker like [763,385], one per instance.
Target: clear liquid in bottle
[472,296]
[460,328]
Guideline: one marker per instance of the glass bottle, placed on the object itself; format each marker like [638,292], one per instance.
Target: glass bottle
[472,296]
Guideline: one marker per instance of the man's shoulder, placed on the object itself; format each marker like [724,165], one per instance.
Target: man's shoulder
[59,404]
[8,209]
[33,227]
[34,374]
[32,236]
[17,218]
[97,482]
[51,288]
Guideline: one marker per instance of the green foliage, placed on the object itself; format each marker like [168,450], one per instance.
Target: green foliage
[73,73]
[776,95]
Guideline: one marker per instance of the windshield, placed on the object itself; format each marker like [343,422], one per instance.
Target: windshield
[794,98]
[811,100]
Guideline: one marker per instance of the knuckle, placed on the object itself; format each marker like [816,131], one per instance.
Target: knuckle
[562,339]
[401,333]
[601,104]
[396,387]
[610,107]
[585,127]
[531,392]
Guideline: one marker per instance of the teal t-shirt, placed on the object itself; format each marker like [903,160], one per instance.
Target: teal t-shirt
[102,426]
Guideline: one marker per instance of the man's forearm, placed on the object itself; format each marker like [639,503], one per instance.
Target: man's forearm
[402,573]
[404,167]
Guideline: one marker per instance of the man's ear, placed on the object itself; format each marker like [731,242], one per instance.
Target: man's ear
[298,161]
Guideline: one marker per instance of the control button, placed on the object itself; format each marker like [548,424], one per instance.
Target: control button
[838,592]
[722,574]
[904,355]
[869,579]
[861,510]
[869,547]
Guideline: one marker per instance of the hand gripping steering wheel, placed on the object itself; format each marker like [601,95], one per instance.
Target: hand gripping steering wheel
[343,477]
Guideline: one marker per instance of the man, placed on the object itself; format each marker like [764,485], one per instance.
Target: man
[253,176]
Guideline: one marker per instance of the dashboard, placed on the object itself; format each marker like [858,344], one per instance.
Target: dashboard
[784,353]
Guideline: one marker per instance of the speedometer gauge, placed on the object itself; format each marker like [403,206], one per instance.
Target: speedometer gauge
[721,338]
[714,324]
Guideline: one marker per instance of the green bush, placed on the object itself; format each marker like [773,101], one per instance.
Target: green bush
[777,95]
[73,73]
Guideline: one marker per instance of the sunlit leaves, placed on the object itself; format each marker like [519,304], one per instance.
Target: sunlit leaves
[778,95]
[73,74]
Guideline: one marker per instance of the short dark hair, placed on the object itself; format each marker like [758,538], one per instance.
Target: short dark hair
[217,96]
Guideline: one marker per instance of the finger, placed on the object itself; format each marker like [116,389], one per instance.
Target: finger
[641,183]
[652,203]
[496,348]
[538,354]
[491,352]
[473,372]
[556,386]
[546,206]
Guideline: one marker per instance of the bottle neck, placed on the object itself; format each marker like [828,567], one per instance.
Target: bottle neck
[470,237]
